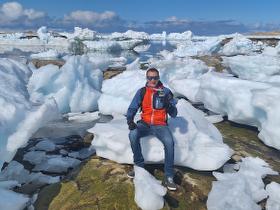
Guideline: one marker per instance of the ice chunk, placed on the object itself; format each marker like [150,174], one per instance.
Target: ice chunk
[75,86]
[273,190]
[266,102]
[43,34]
[239,45]
[12,201]
[83,117]
[47,55]
[19,118]
[198,48]
[198,144]
[240,190]
[148,190]
[254,67]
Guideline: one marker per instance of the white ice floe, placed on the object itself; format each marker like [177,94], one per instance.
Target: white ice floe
[243,101]
[57,164]
[128,35]
[148,190]
[161,36]
[19,117]
[180,36]
[83,117]
[239,45]
[43,34]
[198,48]
[272,51]
[102,60]
[12,201]
[112,45]
[254,67]
[234,99]
[75,86]
[240,190]
[51,54]
[198,144]
[81,33]
[266,103]
[273,201]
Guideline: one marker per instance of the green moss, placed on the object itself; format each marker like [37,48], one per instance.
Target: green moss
[95,188]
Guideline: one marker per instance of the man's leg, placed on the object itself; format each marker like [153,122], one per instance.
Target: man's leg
[165,136]
[134,137]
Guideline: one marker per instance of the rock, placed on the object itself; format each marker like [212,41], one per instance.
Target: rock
[39,63]
[88,138]
[212,61]
[108,74]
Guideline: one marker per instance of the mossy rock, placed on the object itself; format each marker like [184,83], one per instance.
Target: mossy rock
[244,141]
[96,186]
[103,184]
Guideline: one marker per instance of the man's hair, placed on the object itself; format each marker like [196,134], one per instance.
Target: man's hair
[152,70]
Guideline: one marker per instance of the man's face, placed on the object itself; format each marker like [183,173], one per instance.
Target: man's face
[152,78]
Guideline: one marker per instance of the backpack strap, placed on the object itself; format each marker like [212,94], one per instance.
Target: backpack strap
[142,94]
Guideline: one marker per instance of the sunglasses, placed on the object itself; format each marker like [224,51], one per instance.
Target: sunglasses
[152,78]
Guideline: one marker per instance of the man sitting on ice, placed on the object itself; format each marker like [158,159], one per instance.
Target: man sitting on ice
[155,101]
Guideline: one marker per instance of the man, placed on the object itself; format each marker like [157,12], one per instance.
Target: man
[155,101]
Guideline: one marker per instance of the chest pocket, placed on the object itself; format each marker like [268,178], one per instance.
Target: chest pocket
[159,100]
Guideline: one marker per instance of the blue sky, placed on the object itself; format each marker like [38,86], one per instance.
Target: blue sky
[203,16]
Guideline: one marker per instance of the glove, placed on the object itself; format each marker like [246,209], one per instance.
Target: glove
[131,125]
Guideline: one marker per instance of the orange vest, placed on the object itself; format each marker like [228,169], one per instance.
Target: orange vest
[150,115]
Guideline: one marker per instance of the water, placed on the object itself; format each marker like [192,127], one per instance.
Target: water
[154,48]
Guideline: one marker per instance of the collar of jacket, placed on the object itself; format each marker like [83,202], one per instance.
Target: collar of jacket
[158,86]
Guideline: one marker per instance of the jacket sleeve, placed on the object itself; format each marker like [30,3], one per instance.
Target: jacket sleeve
[171,105]
[134,106]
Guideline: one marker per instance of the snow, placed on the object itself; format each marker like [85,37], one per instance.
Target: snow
[198,144]
[47,55]
[19,118]
[273,190]
[239,45]
[43,34]
[240,190]
[75,86]
[148,190]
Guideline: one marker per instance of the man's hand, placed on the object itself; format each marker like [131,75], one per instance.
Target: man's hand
[131,125]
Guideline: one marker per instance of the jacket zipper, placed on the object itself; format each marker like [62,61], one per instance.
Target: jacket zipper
[152,117]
